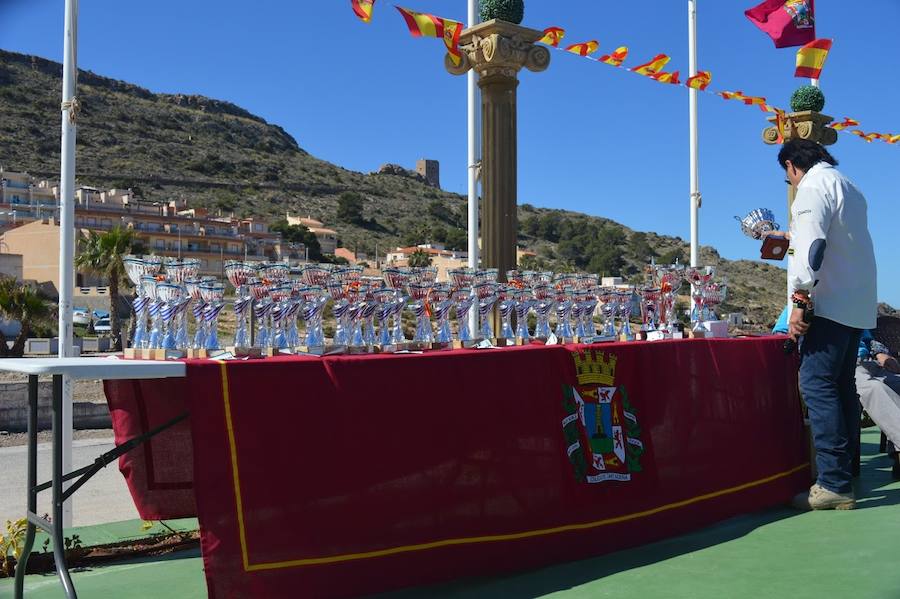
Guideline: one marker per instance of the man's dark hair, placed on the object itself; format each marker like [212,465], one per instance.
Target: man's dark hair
[804,154]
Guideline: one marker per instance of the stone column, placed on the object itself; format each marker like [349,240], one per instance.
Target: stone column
[802,125]
[498,50]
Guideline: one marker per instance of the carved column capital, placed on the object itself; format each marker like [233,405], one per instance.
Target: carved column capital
[497,49]
[803,125]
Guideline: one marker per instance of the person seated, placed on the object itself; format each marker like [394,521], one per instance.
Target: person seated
[877,384]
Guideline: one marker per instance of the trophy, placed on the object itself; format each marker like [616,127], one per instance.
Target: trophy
[313,299]
[464,300]
[649,303]
[135,268]
[192,286]
[442,303]
[486,292]
[544,296]
[607,297]
[757,225]
[624,304]
[212,294]
[397,279]
[523,306]
[699,278]
[262,309]
[506,305]
[418,293]
[170,294]
[238,274]
[154,336]
[280,293]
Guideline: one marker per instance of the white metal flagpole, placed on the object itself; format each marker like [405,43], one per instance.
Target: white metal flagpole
[66,227]
[694,143]
[474,155]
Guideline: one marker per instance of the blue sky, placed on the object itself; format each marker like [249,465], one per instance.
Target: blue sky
[591,138]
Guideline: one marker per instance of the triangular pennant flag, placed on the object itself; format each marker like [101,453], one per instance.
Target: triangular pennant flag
[584,49]
[700,81]
[654,66]
[616,58]
[552,36]
[363,9]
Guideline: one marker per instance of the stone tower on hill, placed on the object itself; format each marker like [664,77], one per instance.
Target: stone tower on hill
[431,170]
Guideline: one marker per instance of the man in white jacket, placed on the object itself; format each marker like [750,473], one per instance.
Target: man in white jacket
[831,265]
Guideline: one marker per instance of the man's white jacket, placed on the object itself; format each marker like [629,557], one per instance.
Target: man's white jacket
[831,250]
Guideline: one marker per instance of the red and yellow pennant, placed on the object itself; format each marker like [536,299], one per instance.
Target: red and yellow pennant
[552,36]
[700,81]
[425,25]
[654,66]
[845,124]
[616,58]
[869,137]
[671,78]
[891,139]
[584,48]
[811,58]
[363,9]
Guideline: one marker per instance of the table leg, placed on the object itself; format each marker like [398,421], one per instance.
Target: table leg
[59,551]
[31,476]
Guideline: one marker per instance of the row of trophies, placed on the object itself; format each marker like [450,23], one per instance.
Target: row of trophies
[368,310]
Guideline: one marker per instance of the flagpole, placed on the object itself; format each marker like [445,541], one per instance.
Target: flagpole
[67,229]
[694,138]
[474,154]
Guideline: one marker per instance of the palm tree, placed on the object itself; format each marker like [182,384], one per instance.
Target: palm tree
[101,254]
[24,304]
[419,258]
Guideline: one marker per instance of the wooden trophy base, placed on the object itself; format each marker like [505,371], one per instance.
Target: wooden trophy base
[245,352]
[692,334]
[139,353]
[457,344]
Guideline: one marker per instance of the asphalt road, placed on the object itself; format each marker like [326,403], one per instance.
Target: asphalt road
[104,498]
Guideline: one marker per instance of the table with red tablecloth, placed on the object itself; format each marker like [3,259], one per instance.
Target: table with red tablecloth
[346,475]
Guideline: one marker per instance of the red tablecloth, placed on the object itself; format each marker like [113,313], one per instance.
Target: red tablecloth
[348,475]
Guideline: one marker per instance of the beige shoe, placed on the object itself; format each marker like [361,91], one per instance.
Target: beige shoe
[820,498]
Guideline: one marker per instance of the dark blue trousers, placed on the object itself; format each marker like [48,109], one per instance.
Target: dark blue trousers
[827,380]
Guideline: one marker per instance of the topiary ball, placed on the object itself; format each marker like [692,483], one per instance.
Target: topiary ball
[511,11]
[808,97]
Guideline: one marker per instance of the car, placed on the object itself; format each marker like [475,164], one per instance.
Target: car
[101,314]
[102,326]
[80,316]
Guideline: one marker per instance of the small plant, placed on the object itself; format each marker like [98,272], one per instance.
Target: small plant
[808,97]
[11,544]
[512,11]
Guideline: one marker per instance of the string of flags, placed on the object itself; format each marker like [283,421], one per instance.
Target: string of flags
[811,58]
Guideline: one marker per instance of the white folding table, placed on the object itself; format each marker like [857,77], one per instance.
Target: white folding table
[76,368]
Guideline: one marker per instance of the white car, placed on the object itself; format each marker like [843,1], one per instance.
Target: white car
[81,316]
[102,326]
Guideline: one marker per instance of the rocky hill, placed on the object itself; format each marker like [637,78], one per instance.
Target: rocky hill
[222,157]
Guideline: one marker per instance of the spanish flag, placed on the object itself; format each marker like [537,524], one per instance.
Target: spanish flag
[363,9]
[667,77]
[552,36]
[869,137]
[584,49]
[654,66]
[891,139]
[811,58]
[845,124]
[700,81]
[425,25]
[616,58]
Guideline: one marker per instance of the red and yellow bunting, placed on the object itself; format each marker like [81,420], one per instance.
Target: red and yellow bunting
[363,9]
[654,66]
[552,36]
[700,81]
[845,124]
[584,48]
[616,58]
[869,137]
[811,58]
[670,78]
[425,25]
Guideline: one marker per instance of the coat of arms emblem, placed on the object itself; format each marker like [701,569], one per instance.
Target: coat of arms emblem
[600,426]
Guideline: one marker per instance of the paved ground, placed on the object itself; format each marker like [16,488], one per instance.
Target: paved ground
[773,554]
[104,498]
